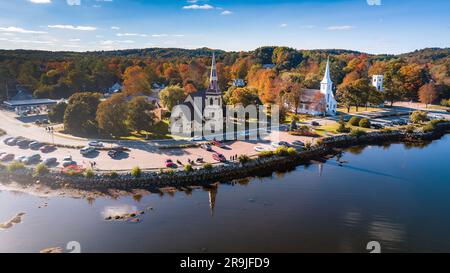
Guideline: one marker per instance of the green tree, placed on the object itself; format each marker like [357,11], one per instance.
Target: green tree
[112,114]
[140,114]
[80,114]
[171,96]
[56,113]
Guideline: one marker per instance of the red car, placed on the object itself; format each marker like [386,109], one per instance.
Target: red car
[170,164]
[217,143]
[47,148]
[219,157]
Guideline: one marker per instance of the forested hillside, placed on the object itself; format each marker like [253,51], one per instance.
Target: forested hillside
[61,74]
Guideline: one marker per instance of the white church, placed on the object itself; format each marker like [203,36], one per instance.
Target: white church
[319,102]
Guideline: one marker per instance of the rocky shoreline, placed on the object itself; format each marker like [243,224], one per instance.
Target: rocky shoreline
[259,166]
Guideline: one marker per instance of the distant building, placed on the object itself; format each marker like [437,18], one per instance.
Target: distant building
[377,81]
[238,83]
[319,102]
[23,102]
[268,66]
[116,88]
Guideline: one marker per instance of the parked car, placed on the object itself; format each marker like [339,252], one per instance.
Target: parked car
[45,121]
[206,147]
[315,123]
[38,122]
[298,143]
[67,158]
[447,110]
[24,143]
[95,143]
[7,157]
[114,153]
[47,148]
[376,126]
[217,143]
[169,163]
[14,141]
[19,158]
[68,163]
[32,159]
[50,161]
[86,150]
[7,139]
[35,145]
[277,144]
[260,149]
[197,138]
[219,157]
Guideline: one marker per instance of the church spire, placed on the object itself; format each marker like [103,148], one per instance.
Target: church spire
[326,77]
[213,84]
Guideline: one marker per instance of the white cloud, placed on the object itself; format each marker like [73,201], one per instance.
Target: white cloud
[73,2]
[340,27]
[226,12]
[40,1]
[283,25]
[74,40]
[195,6]
[131,34]
[19,30]
[71,27]
[308,26]
[115,28]
[111,42]
[159,35]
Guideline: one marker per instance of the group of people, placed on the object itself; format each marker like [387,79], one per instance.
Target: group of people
[233,157]
[49,128]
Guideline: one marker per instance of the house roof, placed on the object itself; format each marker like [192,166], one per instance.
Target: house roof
[310,95]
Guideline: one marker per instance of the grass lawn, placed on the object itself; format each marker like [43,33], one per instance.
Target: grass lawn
[159,131]
[331,129]
[360,109]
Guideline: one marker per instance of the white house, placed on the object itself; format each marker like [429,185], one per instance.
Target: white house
[377,81]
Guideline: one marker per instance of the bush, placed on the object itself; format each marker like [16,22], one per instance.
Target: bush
[89,173]
[113,175]
[187,168]
[419,117]
[342,128]
[308,145]
[244,159]
[357,132]
[2,167]
[2,132]
[354,121]
[263,154]
[281,151]
[428,128]
[14,166]
[208,166]
[41,169]
[410,129]
[136,172]
[291,151]
[364,123]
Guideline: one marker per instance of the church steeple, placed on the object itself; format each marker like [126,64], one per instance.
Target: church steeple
[213,87]
[326,77]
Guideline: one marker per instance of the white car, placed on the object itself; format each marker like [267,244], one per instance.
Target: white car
[277,144]
[67,158]
[95,143]
[260,148]
[86,150]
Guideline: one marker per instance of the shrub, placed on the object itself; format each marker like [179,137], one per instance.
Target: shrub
[2,132]
[428,128]
[113,175]
[291,151]
[14,166]
[364,123]
[89,173]
[342,128]
[419,116]
[208,166]
[187,168]
[136,172]
[281,151]
[354,121]
[410,129]
[437,121]
[2,167]
[244,159]
[308,145]
[41,169]
[357,132]
[263,154]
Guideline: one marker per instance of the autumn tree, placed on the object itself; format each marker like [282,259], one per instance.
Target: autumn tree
[140,114]
[135,81]
[245,96]
[293,94]
[172,96]
[80,114]
[56,113]
[112,114]
[427,93]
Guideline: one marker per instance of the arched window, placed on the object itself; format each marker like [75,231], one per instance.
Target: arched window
[211,101]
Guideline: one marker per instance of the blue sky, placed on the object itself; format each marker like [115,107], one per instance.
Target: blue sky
[394,26]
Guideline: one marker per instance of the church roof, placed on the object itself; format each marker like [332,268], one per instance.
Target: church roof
[213,87]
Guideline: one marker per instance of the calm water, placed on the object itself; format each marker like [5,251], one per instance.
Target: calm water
[396,195]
